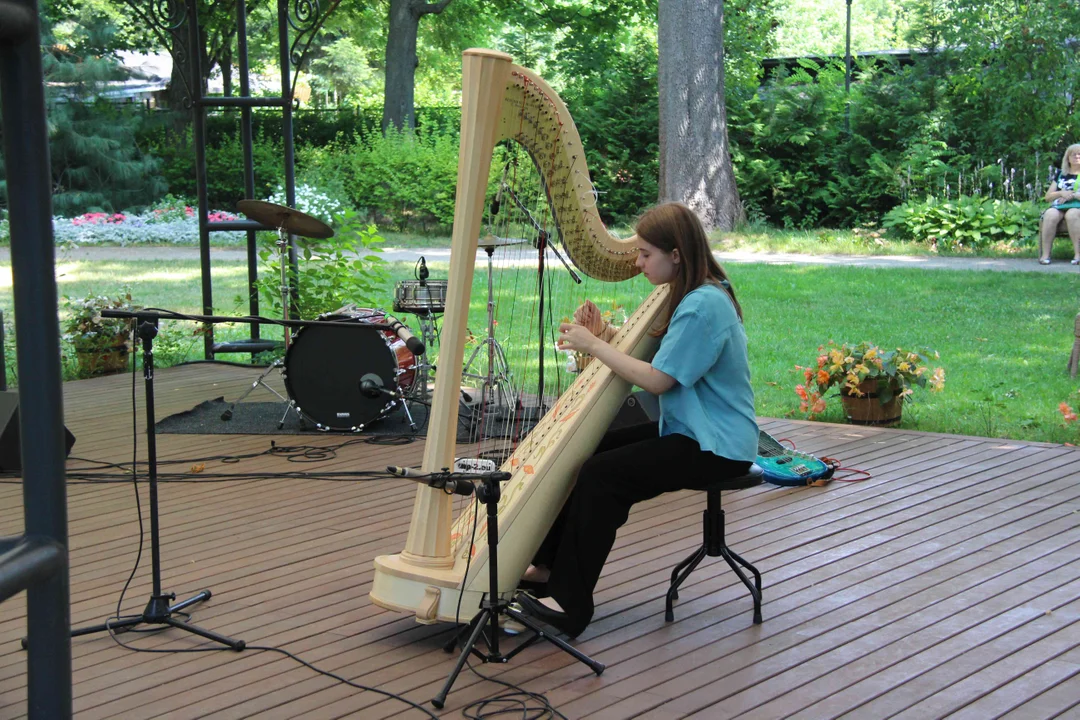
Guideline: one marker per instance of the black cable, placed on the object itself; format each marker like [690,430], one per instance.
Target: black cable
[135,487]
[510,703]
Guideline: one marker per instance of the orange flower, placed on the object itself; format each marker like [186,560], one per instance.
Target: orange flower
[819,405]
[822,377]
[1067,412]
[800,390]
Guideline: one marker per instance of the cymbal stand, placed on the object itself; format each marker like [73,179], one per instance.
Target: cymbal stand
[283,254]
[429,335]
[497,387]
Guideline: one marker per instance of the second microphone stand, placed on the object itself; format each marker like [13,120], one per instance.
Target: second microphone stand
[158,610]
[486,623]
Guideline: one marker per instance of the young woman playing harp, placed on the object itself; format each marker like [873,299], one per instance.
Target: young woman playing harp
[706,431]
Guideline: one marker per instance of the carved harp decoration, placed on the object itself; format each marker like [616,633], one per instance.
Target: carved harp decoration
[503,101]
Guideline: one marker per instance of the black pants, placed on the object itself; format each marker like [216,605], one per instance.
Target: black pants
[630,465]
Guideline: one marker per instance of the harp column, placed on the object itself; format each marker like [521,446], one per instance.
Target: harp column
[484,76]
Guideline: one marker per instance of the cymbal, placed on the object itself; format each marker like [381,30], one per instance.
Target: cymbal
[285,218]
[490,242]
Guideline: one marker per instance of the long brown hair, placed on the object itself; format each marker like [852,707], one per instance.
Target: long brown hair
[673,226]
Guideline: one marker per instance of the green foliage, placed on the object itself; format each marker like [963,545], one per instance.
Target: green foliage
[402,179]
[224,166]
[86,329]
[813,27]
[1008,74]
[333,272]
[796,165]
[616,111]
[96,162]
[966,222]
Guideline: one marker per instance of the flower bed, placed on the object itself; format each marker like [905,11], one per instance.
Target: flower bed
[154,227]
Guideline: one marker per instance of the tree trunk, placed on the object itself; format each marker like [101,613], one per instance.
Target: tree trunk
[177,94]
[401,61]
[695,165]
[225,62]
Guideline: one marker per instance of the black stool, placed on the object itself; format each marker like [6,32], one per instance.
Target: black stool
[714,545]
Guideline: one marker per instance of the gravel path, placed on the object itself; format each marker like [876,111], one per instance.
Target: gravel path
[106,254]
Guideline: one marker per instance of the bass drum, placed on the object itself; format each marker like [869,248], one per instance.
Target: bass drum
[324,366]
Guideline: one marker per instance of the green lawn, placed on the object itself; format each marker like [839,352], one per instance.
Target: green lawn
[1004,338]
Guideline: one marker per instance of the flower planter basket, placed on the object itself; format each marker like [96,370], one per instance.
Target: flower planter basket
[102,361]
[868,409]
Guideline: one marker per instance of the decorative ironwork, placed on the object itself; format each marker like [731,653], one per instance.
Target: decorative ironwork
[166,18]
[305,19]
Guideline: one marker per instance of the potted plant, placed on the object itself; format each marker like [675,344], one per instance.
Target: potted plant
[101,344]
[872,381]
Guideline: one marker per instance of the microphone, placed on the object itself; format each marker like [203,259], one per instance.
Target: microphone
[371,385]
[415,344]
[439,481]
[422,275]
[456,483]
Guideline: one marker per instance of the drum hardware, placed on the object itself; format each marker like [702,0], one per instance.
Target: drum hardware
[325,367]
[287,222]
[424,298]
[497,388]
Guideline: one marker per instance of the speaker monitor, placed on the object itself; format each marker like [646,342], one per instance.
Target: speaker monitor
[639,407]
[10,455]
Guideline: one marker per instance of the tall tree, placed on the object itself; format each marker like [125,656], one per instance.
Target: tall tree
[695,165]
[402,60]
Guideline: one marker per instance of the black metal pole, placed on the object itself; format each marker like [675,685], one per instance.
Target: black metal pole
[147,330]
[3,356]
[287,142]
[26,151]
[198,116]
[847,73]
[249,163]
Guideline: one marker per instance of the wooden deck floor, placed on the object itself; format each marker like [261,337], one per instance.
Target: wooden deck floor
[948,585]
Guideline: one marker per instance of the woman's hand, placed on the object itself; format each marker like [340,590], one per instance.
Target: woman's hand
[577,338]
[590,317]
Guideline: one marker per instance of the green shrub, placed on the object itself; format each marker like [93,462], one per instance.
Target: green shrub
[403,179]
[224,167]
[967,222]
[332,272]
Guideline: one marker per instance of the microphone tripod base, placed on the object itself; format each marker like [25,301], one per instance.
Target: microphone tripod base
[481,622]
[159,612]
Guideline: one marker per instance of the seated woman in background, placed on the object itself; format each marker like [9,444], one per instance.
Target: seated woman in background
[1064,200]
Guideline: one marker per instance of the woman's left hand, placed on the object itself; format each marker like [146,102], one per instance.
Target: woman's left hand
[577,338]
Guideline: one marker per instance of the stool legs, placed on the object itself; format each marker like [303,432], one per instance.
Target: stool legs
[713,545]
[755,587]
[677,576]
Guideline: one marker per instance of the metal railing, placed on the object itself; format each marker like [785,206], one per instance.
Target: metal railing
[36,561]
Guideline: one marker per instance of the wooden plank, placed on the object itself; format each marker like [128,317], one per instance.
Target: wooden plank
[924,589]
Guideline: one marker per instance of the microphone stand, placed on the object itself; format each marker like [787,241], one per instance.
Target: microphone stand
[493,606]
[158,610]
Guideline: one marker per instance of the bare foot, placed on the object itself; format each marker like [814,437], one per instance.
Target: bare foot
[539,574]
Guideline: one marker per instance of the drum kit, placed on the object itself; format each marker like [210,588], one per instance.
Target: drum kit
[355,365]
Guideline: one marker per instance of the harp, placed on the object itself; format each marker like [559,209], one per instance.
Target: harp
[503,101]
